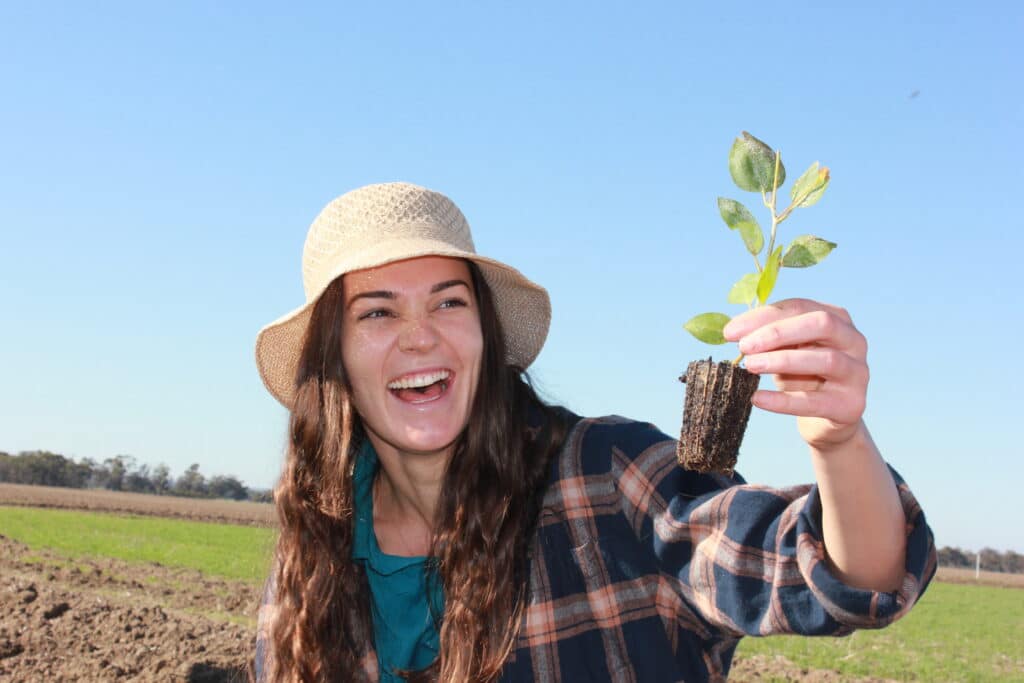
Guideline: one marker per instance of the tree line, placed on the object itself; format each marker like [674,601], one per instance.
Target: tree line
[121,473]
[991,560]
[125,473]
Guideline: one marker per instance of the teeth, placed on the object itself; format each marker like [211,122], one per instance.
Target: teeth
[414,381]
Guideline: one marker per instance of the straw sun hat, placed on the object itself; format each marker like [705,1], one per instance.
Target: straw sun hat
[380,224]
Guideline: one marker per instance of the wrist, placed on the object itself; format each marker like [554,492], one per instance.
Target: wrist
[855,439]
[847,454]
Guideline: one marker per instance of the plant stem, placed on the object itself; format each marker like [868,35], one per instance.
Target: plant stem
[789,209]
[738,359]
[797,201]
[775,187]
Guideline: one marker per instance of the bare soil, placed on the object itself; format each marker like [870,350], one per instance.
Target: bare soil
[778,669]
[104,620]
[199,509]
[966,576]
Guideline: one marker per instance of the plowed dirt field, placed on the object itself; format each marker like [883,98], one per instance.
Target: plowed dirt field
[107,620]
[198,509]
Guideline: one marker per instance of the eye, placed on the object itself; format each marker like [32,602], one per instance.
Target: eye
[375,313]
[453,303]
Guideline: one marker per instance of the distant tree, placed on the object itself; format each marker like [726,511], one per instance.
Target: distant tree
[991,560]
[954,557]
[98,476]
[123,473]
[139,480]
[191,483]
[42,468]
[161,478]
[227,487]
[115,473]
[8,467]
[79,473]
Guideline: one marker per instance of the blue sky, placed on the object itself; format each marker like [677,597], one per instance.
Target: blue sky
[160,165]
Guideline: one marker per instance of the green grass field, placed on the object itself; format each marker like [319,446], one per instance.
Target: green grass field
[225,550]
[956,633]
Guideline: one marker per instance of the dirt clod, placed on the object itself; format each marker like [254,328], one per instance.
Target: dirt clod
[9,648]
[715,415]
[56,611]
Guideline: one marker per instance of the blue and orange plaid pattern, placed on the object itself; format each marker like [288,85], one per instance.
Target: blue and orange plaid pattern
[643,571]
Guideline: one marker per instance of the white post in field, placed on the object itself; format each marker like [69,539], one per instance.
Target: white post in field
[977,565]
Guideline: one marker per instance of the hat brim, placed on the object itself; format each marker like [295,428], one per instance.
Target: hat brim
[523,308]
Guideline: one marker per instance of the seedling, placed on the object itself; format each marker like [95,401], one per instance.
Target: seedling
[718,395]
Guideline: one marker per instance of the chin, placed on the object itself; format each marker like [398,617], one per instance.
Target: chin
[426,440]
[429,442]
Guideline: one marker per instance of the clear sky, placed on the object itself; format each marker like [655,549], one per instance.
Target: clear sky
[160,164]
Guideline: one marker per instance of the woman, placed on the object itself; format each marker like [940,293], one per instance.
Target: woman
[439,522]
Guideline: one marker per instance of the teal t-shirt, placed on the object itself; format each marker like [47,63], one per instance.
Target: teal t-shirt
[404,633]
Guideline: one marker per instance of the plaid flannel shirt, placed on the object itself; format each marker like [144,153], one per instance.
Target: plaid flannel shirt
[643,571]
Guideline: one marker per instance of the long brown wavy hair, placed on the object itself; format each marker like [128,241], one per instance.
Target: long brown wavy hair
[493,488]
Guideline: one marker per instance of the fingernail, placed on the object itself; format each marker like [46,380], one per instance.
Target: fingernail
[727,330]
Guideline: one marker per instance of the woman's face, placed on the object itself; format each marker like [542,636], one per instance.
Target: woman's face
[411,346]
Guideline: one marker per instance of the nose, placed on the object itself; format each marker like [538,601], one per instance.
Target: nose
[417,336]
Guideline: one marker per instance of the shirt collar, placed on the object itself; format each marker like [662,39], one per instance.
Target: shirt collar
[363,542]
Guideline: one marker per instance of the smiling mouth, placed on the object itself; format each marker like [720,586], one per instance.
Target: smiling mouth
[422,387]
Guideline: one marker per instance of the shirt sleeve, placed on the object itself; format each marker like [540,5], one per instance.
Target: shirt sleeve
[750,560]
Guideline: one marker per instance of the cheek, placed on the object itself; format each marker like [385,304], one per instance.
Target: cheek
[362,355]
[472,345]
[473,350]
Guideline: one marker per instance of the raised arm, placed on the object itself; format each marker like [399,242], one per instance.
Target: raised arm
[818,360]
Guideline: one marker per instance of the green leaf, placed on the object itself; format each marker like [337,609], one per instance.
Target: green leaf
[744,291]
[738,217]
[707,327]
[752,164]
[807,250]
[769,275]
[809,187]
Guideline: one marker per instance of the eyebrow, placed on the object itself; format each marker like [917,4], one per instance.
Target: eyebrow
[387,294]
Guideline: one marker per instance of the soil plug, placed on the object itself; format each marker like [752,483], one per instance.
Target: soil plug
[718,395]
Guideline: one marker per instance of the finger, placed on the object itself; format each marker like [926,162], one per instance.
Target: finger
[792,383]
[823,362]
[830,405]
[820,327]
[749,321]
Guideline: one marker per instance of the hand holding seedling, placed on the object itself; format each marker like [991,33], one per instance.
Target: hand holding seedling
[719,397]
[818,361]
[813,351]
